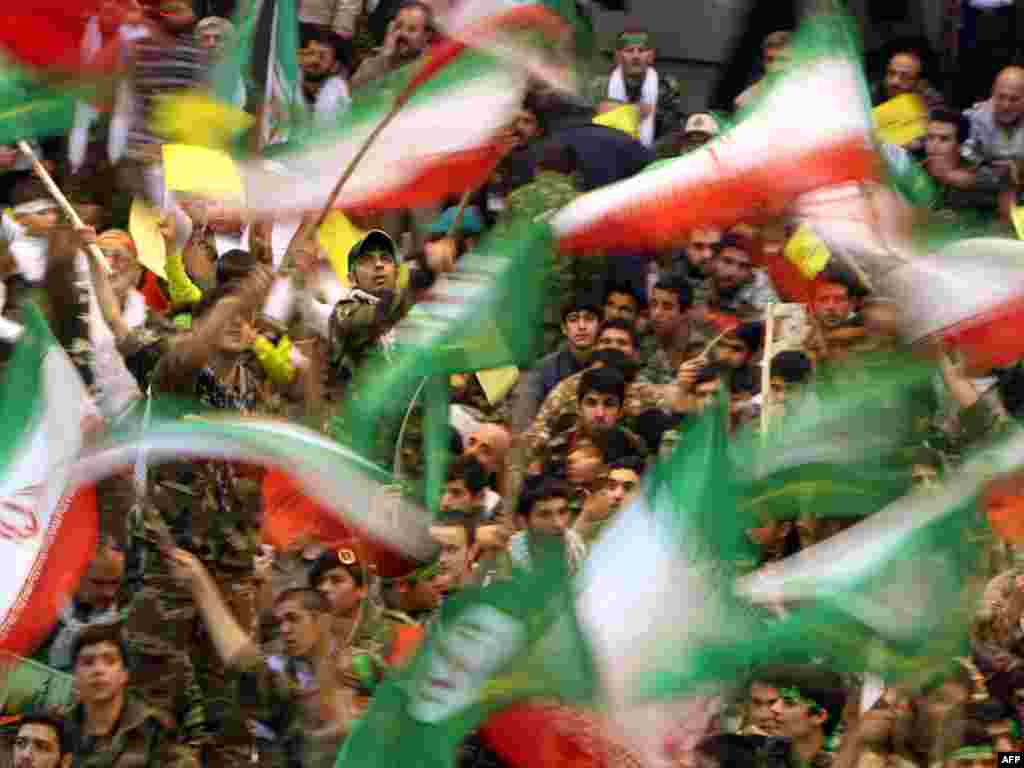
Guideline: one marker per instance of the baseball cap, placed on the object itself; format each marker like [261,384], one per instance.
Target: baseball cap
[375,240]
[702,122]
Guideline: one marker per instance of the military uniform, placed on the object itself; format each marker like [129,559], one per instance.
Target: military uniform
[548,193]
[142,737]
[670,112]
[641,396]
[212,509]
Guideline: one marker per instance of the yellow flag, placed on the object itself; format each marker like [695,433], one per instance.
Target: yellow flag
[807,252]
[497,382]
[901,120]
[201,171]
[192,117]
[625,118]
[1017,215]
[144,227]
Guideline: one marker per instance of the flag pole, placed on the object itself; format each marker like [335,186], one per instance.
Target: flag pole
[459,213]
[766,368]
[62,201]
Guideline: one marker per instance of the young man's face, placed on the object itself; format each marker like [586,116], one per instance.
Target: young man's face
[902,75]
[375,271]
[616,338]
[100,673]
[832,305]
[621,306]
[298,627]
[599,412]
[666,314]
[733,269]
[795,717]
[941,142]
[762,700]
[580,329]
[36,746]
[620,486]
[341,591]
[457,497]
[549,516]
[454,543]
[318,60]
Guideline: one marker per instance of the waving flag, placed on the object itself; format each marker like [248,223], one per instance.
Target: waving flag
[47,537]
[442,142]
[491,648]
[47,34]
[344,485]
[810,130]
[29,109]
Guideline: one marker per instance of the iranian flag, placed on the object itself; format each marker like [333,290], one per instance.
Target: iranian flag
[442,141]
[811,129]
[47,538]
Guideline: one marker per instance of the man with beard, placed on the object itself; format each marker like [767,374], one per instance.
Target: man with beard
[323,81]
[737,287]
[636,81]
[408,35]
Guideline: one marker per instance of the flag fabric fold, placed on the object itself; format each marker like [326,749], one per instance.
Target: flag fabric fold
[47,533]
[491,648]
[442,142]
[774,154]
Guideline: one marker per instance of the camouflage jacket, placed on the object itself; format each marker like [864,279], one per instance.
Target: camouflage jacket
[142,738]
[641,396]
[670,112]
[357,327]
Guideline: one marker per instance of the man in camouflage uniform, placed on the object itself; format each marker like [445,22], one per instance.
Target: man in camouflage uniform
[109,727]
[632,81]
[552,189]
[561,407]
[210,507]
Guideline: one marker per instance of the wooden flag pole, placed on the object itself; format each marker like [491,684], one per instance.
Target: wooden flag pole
[62,201]
[766,368]
[459,213]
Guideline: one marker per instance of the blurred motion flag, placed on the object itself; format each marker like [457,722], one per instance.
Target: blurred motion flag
[48,34]
[337,235]
[442,142]
[193,117]
[26,686]
[757,169]
[47,535]
[206,172]
[491,647]
[30,109]
[289,515]
[902,120]
[807,252]
[657,585]
[336,481]
[144,226]
[625,118]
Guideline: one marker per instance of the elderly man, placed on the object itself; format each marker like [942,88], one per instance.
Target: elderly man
[636,81]
[997,129]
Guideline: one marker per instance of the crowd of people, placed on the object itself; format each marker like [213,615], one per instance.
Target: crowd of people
[194,640]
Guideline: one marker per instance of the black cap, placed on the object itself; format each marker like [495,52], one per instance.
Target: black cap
[375,240]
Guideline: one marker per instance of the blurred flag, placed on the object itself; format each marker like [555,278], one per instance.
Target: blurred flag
[442,142]
[276,70]
[47,537]
[48,34]
[811,129]
[29,109]
[490,648]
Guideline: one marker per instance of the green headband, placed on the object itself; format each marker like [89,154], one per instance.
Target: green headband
[973,753]
[641,39]
[424,573]
[793,696]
